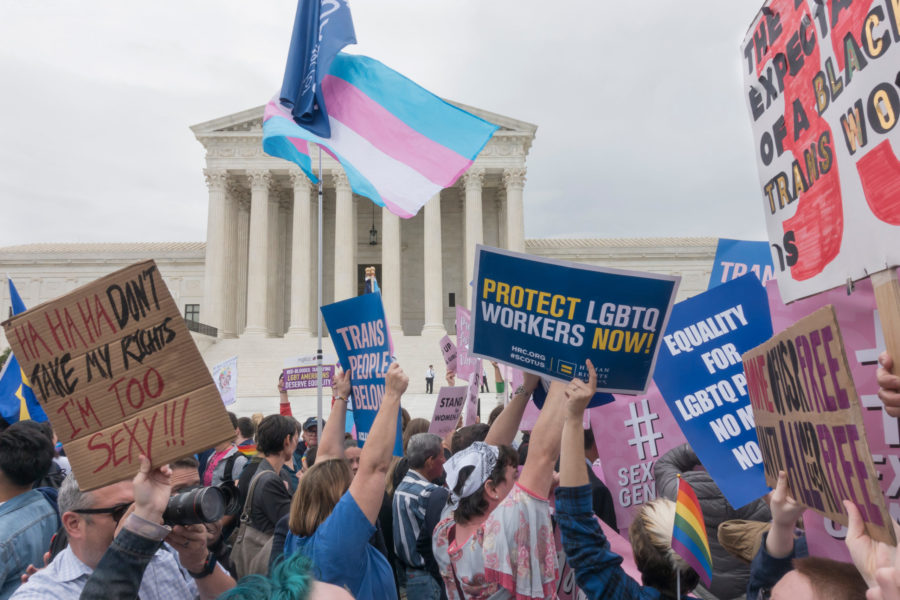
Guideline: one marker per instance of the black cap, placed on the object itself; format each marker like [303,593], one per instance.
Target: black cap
[311,423]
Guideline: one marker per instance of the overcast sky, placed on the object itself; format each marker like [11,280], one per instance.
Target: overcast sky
[642,126]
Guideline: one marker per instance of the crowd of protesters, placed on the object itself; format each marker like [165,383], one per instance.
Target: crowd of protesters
[474,516]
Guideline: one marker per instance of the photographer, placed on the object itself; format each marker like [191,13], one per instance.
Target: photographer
[115,535]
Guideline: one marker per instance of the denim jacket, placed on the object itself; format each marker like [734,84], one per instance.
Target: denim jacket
[27,522]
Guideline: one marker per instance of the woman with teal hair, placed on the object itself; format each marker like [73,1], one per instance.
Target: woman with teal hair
[291,579]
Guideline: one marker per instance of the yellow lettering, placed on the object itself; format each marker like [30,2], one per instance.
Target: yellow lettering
[557,312]
[543,302]
[489,286]
[573,302]
[503,293]
[600,337]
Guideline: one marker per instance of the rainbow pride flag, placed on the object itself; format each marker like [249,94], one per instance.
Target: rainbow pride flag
[398,143]
[689,539]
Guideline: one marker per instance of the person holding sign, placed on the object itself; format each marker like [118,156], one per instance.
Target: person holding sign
[781,568]
[115,546]
[598,571]
[498,542]
[333,513]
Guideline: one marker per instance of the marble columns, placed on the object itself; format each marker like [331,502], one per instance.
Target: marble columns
[473,179]
[434,270]
[344,239]
[514,180]
[258,253]
[302,282]
[214,278]
[391,289]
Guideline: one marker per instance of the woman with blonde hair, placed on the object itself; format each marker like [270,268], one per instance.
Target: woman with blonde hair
[598,570]
[333,512]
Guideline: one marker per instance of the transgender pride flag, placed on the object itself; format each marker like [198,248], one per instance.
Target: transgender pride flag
[398,143]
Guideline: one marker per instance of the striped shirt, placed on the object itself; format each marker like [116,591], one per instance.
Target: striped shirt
[409,505]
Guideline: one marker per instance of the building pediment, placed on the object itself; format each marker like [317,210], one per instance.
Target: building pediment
[250,121]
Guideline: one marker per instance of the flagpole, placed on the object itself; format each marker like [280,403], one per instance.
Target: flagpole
[319,310]
[678,583]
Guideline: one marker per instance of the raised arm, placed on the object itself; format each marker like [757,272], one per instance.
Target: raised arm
[571,461]
[332,443]
[284,404]
[367,487]
[505,427]
[543,450]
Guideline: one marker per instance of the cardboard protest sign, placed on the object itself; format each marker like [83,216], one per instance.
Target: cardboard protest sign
[809,422]
[820,89]
[547,316]
[701,376]
[859,322]
[448,351]
[447,409]
[225,376]
[632,434]
[119,375]
[306,377]
[363,344]
[736,258]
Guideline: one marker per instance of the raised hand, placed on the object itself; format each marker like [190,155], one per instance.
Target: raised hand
[152,489]
[868,555]
[340,385]
[579,393]
[889,384]
[396,380]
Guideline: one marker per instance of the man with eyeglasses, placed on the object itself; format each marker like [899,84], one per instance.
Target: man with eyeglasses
[116,550]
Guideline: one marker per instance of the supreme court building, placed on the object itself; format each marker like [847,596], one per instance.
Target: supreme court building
[252,285]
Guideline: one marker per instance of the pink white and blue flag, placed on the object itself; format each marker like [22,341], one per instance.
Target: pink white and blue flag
[398,143]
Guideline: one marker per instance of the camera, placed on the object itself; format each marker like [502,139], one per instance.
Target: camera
[203,505]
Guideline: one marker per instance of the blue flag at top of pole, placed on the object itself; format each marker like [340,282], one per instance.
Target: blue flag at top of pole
[321,29]
[17,399]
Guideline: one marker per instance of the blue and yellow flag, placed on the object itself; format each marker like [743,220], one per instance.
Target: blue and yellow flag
[17,399]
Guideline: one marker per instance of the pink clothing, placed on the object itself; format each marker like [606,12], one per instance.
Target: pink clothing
[512,554]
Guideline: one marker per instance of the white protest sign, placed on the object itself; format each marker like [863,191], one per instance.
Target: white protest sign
[225,375]
[820,85]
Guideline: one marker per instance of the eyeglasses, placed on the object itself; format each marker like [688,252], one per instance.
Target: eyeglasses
[116,511]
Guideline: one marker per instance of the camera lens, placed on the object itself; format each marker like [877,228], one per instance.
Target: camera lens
[232,497]
[204,505]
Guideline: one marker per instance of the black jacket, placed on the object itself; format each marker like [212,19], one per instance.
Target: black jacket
[730,574]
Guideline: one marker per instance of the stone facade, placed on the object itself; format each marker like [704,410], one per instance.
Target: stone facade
[254,278]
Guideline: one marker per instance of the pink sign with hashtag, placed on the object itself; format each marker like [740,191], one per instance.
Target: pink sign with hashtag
[631,434]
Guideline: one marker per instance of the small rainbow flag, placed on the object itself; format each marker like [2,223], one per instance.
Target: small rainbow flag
[689,539]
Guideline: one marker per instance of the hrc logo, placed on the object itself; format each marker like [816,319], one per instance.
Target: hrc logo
[565,368]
